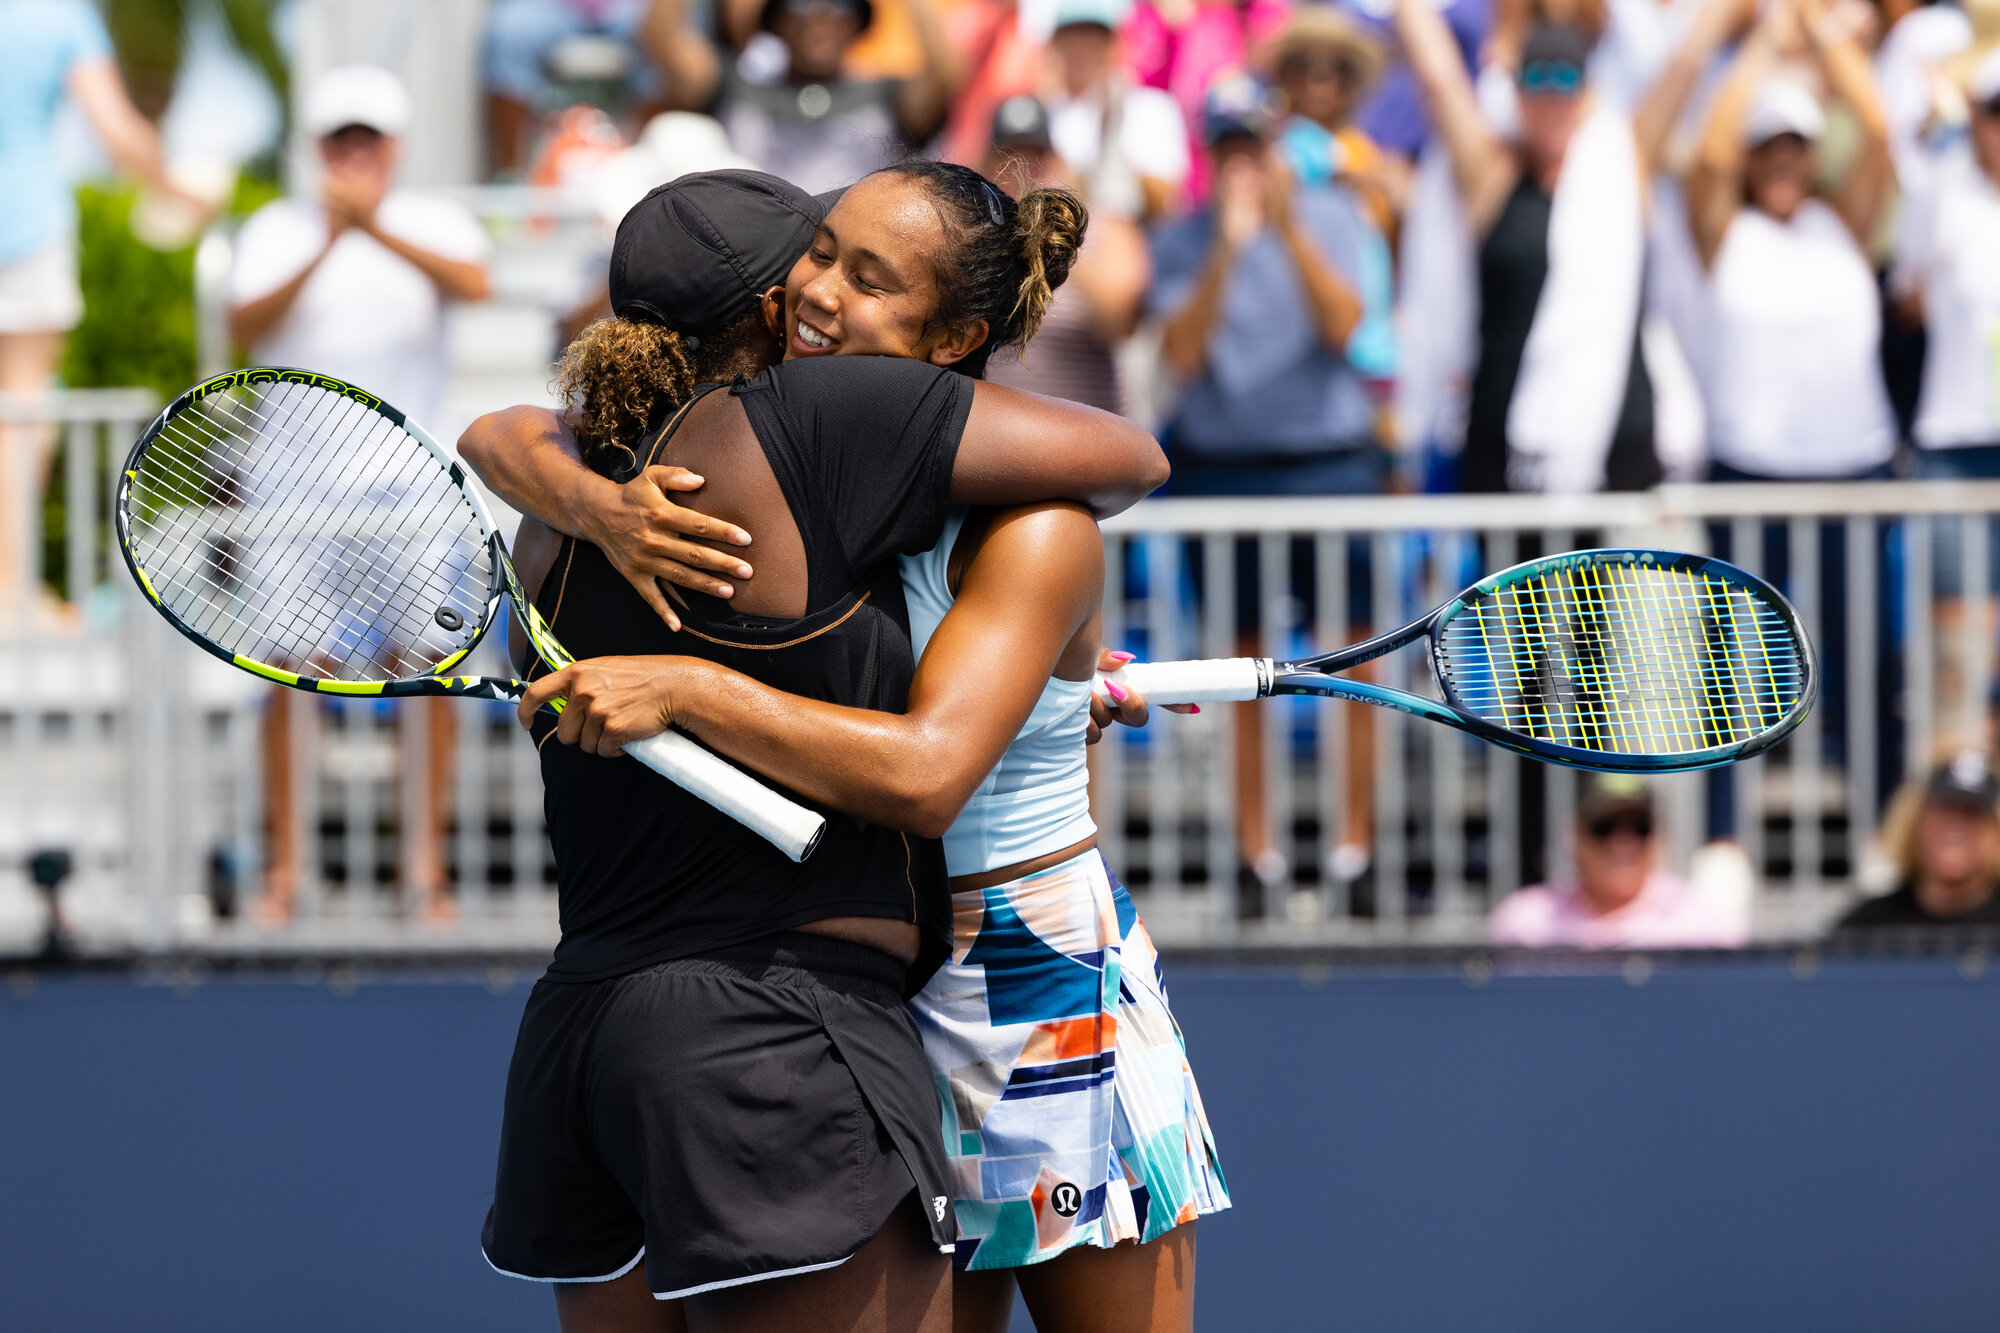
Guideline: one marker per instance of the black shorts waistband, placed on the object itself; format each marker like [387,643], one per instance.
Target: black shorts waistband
[794,957]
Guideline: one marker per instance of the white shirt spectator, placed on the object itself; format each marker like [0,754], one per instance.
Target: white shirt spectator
[1948,247]
[1147,138]
[366,315]
[1797,390]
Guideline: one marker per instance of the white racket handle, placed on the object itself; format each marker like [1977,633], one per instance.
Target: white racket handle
[1213,680]
[787,825]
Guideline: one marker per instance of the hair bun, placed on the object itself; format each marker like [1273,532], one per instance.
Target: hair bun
[1052,223]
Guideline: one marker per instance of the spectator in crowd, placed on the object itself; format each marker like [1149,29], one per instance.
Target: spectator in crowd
[354,284]
[812,125]
[1100,304]
[1261,302]
[1943,834]
[1001,59]
[1325,65]
[520,37]
[54,48]
[1126,145]
[1560,398]
[1795,383]
[1947,272]
[1184,46]
[1621,898]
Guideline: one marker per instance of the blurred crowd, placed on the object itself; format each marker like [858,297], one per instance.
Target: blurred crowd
[1493,245]
[1545,246]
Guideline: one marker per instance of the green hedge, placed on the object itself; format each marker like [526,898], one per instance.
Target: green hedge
[138,303]
[138,321]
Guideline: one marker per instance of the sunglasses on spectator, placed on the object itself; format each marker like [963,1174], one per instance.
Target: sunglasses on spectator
[1635,822]
[1553,77]
[1333,67]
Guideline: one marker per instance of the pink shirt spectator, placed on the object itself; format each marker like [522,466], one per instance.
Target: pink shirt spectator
[1669,913]
[1216,37]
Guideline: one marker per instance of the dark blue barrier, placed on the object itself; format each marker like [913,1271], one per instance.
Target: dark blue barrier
[1724,1147]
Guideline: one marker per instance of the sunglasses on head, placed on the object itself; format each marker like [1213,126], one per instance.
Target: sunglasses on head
[1557,77]
[1638,823]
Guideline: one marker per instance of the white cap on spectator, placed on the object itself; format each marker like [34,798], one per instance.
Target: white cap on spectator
[357,95]
[673,144]
[1983,84]
[1782,107]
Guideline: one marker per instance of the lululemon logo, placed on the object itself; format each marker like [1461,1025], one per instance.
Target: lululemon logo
[1066,1199]
[937,1206]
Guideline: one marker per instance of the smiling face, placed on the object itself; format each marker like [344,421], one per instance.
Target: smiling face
[1614,855]
[1320,84]
[867,286]
[360,151]
[1082,56]
[816,37]
[1957,849]
[1778,175]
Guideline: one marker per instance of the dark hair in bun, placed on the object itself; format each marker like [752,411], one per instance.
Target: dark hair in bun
[1002,260]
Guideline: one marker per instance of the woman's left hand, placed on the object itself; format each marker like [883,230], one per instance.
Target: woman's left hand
[613,701]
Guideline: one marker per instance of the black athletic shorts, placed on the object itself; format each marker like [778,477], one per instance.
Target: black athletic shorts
[747,1113]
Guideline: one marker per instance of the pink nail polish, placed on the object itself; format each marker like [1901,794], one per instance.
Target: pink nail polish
[1194,708]
[1123,656]
[1116,691]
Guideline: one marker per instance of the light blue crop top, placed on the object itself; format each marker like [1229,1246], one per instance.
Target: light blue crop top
[1037,798]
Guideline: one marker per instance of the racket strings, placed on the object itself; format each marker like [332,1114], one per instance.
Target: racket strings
[1624,658]
[325,590]
[298,528]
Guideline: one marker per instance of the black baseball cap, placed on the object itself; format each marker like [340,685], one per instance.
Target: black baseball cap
[1965,780]
[698,253]
[1021,122]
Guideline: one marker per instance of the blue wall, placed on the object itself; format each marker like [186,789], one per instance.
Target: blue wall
[1724,1147]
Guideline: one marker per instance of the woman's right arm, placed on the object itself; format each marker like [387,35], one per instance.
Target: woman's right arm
[1017,448]
[1715,182]
[1021,447]
[1480,163]
[1032,588]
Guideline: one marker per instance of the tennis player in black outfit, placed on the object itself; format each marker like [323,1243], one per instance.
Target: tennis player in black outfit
[719,1114]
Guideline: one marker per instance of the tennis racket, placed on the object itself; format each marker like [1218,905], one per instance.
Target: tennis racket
[304,530]
[1617,660]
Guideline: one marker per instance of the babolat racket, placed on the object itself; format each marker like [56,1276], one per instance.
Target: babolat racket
[304,530]
[1616,660]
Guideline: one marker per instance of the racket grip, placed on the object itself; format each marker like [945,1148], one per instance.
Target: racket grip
[784,823]
[1213,680]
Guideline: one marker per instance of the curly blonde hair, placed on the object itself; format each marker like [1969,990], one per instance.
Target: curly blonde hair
[618,376]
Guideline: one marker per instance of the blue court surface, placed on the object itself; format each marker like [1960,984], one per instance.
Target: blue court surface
[1748,1144]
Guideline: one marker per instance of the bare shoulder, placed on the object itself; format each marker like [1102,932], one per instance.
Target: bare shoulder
[1060,532]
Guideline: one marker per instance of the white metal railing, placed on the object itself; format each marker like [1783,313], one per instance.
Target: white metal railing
[125,747]
[1450,825]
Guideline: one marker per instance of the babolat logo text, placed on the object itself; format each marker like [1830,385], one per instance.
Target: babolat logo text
[241,378]
[937,1206]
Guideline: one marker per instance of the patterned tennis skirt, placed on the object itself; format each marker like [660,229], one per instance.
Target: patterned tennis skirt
[1071,1116]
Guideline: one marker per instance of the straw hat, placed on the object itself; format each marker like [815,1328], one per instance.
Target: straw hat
[1313,27]
[1984,15]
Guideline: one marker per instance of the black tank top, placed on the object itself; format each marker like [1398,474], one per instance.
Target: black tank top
[1513,265]
[646,872]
